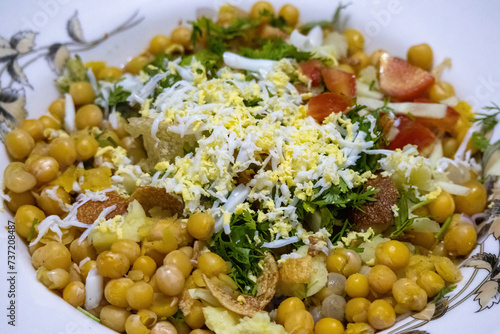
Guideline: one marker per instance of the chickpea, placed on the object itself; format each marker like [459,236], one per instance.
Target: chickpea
[136,64]
[47,200]
[343,261]
[109,74]
[431,282]
[134,325]
[129,248]
[201,226]
[86,268]
[34,128]
[441,90]
[475,201]
[447,269]
[146,265]
[80,251]
[182,35]
[158,44]
[355,40]
[17,200]
[19,143]
[164,306]
[17,179]
[50,122]
[346,68]
[45,169]
[375,57]
[450,146]
[357,286]
[300,321]
[170,280]
[180,260]
[163,327]
[460,240]
[287,307]
[420,55]
[359,327]
[86,147]
[58,109]
[408,293]
[197,277]
[188,250]
[359,60]
[140,295]
[81,93]
[195,319]
[116,290]
[258,8]
[55,279]
[114,317]
[24,218]
[290,13]
[442,207]
[212,264]
[112,265]
[88,116]
[381,315]
[74,293]
[328,326]
[63,149]
[356,310]
[394,254]
[381,279]
[52,256]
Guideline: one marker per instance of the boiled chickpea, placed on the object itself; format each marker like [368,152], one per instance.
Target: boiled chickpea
[450,146]
[109,74]
[300,321]
[134,325]
[45,169]
[17,179]
[460,240]
[55,279]
[357,286]
[201,225]
[136,64]
[441,90]
[34,128]
[180,260]
[158,44]
[53,200]
[50,122]
[259,7]
[74,293]
[356,310]
[328,326]
[195,319]
[346,68]
[359,60]
[375,57]
[81,93]
[381,279]
[51,256]
[17,200]
[24,218]
[129,248]
[442,207]
[343,261]
[63,149]
[112,265]
[146,265]
[58,109]
[81,250]
[86,147]
[355,40]
[290,13]
[288,306]
[114,317]
[447,269]
[394,254]
[163,327]
[140,295]
[475,201]
[115,291]
[212,264]
[381,315]
[19,143]
[359,327]
[182,35]
[408,293]
[170,280]
[431,282]
[164,306]
[88,116]
[420,55]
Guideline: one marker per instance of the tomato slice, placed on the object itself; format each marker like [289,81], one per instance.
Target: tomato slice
[411,132]
[338,81]
[320,106]
[312,70]
[446,124]
[401,80]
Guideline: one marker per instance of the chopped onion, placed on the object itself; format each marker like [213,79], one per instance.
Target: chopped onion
[242,63]
[306,43]
[363,90]
[453,188]
[238,196]
[93,289]
[430,110]
[204,294]
[69,113]
[281,242]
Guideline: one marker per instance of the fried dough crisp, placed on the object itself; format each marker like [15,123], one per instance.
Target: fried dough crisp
[377,214]
[150,197]
[248,305]
[90,211]
[296,270]
[186,302]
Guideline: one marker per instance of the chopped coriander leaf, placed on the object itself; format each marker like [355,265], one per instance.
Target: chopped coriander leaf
[277,22]
[444,227]
[252,103]
[118,95]
[32,230]
[105,140]
[240,248]
[74,71]
[275,49]
[177,318]
[442,293]
[403,221]
[479,141]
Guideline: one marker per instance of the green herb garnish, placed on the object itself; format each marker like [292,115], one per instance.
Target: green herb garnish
[88,314]
[275,49]
[74,71]
[443,228]
[32,231]
[442,293]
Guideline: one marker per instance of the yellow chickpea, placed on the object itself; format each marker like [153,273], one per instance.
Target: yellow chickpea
[109,73]
[328,326]
[201,226]
[63,149]
[450,146]
[355,40]
[447,269]
[381,279]
[356,310]
[212,264]
[170,280]
[19,143]
[420,55]
[24,218]
[164,306]
[431,282]
[114,317]
[357,286]
[375,57]
[359,60]
[17,200]
[300,321]
[343,261]
[182,35]
[57,109]
[475,201]
[288,306]
[129,248]
[158,44]
[409,294]
[180,260]
[441,90]
[140,295]
[45,169]
[50,122]
[34,128]
[442,207]
[381,315]
[52,256]
[81,93]
[146,265]
[259,7]
[195,319]
[74,293]
[112,265]
[17,179]
[86,147]
[115,291]
[290,13]
[394,254]
[460,240]
[136,64]
[53,200]
[88,116]
[95,66]
[81,250]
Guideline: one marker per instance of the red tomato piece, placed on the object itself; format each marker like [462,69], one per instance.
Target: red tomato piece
[401,80]
[338,81]
[411,132]
[312,70]
[320,106]
[446,124]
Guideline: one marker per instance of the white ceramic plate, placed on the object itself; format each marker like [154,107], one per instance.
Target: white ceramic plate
[467,31]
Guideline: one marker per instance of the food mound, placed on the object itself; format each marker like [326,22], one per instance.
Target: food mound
[252,174]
